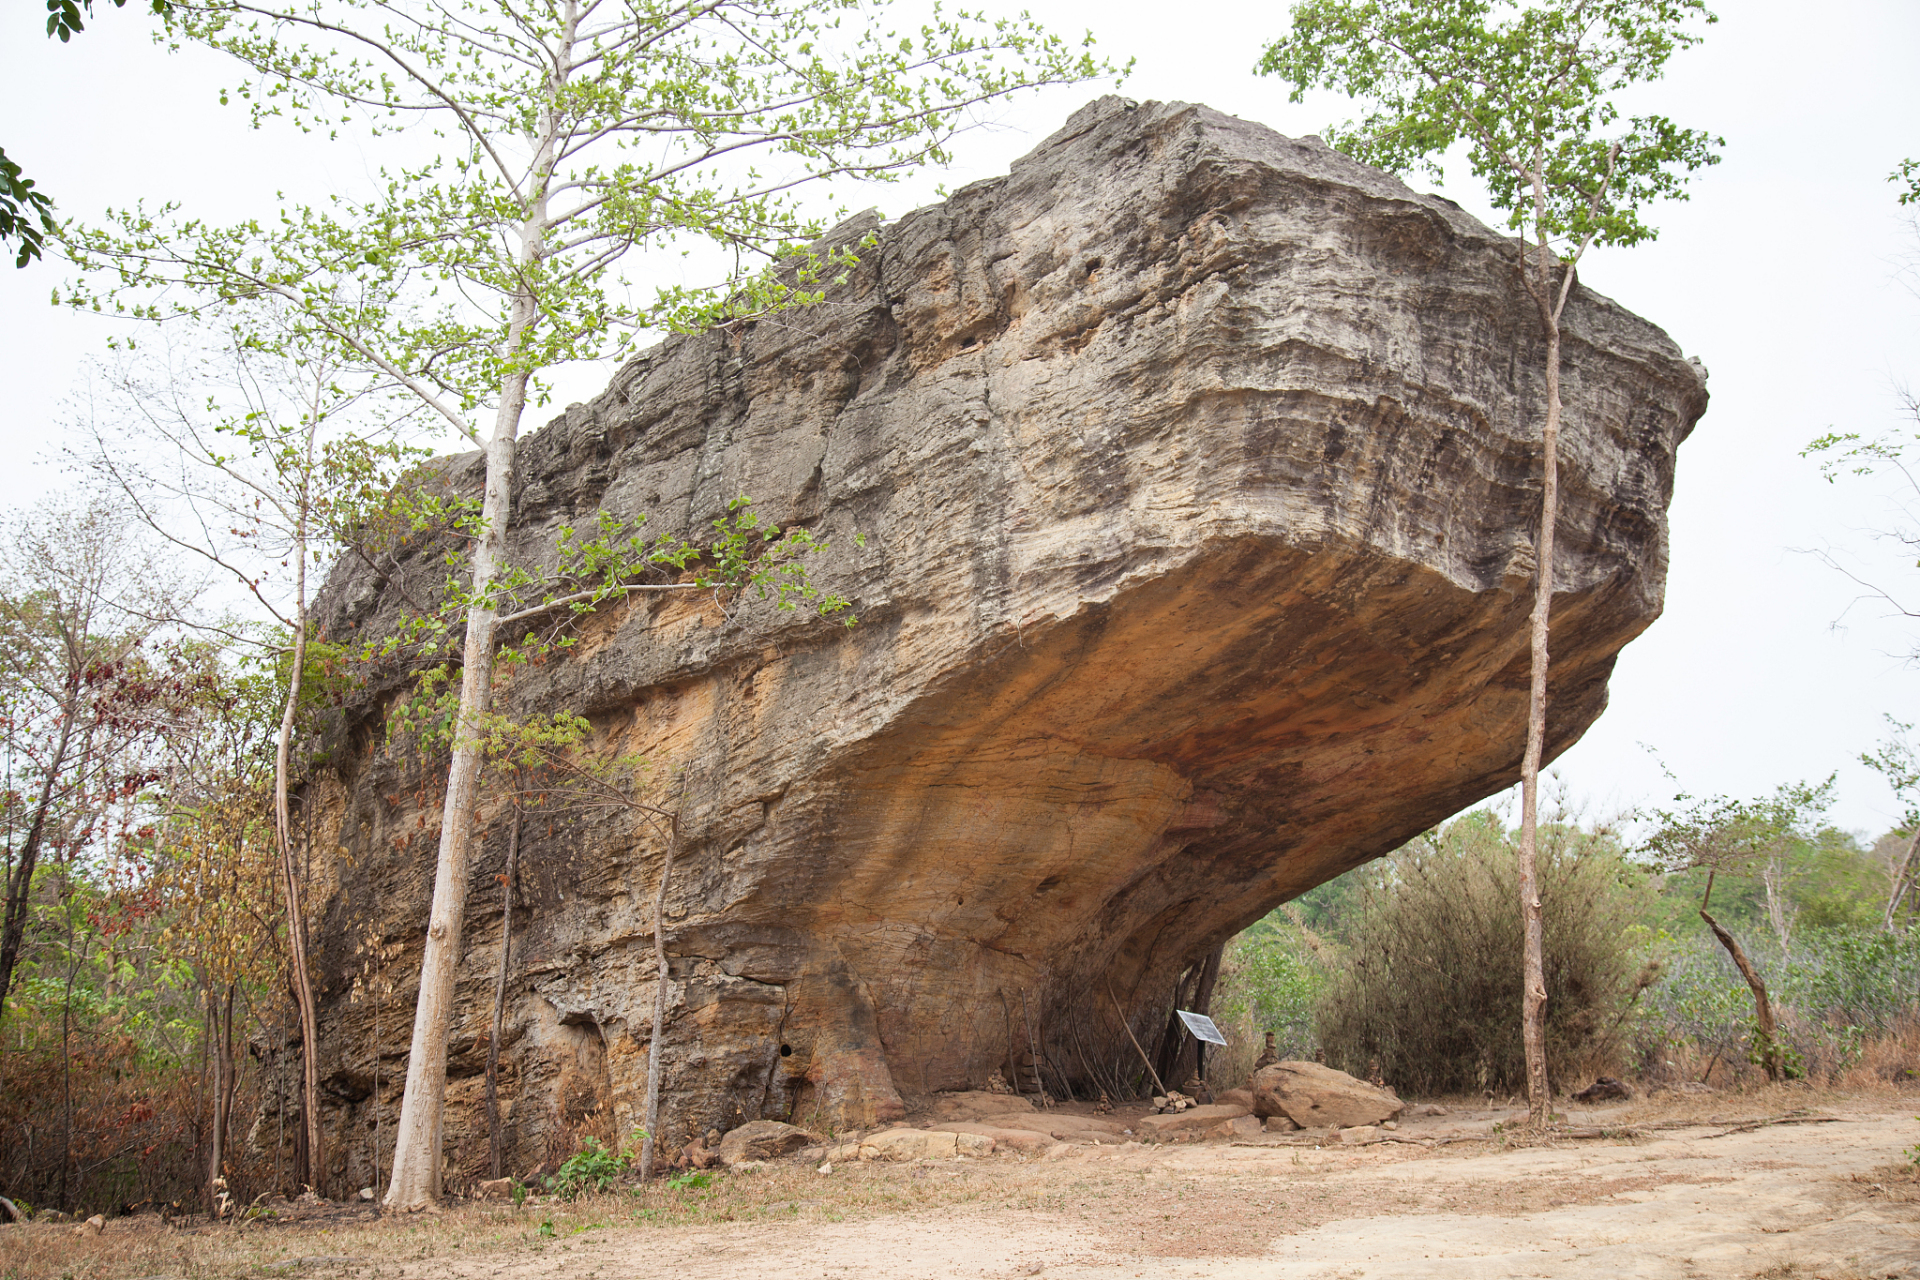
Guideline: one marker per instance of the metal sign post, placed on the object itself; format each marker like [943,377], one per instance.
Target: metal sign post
[1206,1033]
[1202,1027]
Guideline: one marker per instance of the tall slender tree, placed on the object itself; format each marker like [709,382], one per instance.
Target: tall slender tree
[78,600]
[261,464]
[1530,92]
[578,133]
[215,872]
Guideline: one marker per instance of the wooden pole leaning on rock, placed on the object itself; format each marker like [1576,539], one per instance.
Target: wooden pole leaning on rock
[1033,1051]
[1144,1061]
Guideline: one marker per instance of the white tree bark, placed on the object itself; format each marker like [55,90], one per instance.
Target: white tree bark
[1900,882]
[1533,975]
[316,1171]
[1780,912]
[1533,1001]
[416,1150]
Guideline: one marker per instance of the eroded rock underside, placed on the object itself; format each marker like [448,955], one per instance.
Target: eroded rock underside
[1198,473]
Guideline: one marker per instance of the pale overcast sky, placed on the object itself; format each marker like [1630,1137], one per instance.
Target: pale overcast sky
[1782,275]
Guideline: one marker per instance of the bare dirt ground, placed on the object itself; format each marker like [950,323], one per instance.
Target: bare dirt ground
[1778,1183]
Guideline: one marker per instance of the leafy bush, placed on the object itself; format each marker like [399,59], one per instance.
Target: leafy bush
[1854,977]
[1700,1007]
[1427,988]
[593,1168]
[1269,980]
[1835,992]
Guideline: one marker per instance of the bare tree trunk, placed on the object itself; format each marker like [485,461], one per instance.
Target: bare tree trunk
[1898,888]
[1173,1036]
[66,1066]
[1033,1051]
[315,1169]
[200,1083]
[1765,1029]
[20,882]
[223,1083]
[416,1139]
[496,1153]
[379,1002]
[1779,912]
[1203,1003]
[649,1143]
[1533,1000]
[280,1107]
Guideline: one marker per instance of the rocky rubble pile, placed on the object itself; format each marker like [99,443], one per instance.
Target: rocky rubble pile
[1283,1098]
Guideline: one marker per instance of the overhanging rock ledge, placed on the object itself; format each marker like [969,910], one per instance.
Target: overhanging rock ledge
[1197,469]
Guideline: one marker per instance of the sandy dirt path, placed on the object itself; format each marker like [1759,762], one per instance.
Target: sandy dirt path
[1778,1201]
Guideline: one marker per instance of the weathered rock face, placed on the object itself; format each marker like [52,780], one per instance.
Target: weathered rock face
[1197,472]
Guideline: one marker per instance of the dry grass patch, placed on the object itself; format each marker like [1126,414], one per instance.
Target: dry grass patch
[1160,1202]
[1889,1184]
[361,1241]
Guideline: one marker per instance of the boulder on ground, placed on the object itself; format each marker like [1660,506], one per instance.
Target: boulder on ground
[1238,1128]
[1236,1098]
[763,1140]
[1605,1089]
[1280,1124]
[1318,1097]
[489,1189]
[1192,1120]
[1064,1125]
[1026,1141]
[1197,468]
[976,1104]
[1363,1135]
[923,1144]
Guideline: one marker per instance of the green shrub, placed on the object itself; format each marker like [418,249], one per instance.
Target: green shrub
[1860,977]
[1836,992]
[593,1168]
[1426,989]
[1269,980]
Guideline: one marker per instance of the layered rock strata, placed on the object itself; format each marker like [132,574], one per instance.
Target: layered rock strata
[1197,472]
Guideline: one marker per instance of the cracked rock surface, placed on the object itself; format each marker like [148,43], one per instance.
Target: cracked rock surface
[1197,473]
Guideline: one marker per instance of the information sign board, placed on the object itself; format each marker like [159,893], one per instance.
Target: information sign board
[1202,1027]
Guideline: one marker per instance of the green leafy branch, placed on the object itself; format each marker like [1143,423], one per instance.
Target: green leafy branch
[1530,95]
[745,557]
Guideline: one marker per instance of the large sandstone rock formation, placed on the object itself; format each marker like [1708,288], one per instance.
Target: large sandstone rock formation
[1197,470]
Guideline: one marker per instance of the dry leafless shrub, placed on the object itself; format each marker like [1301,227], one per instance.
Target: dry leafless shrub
[1427,990]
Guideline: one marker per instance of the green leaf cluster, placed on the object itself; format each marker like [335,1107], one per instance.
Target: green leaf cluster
[1528,89]
[573,136]
[1728,834]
